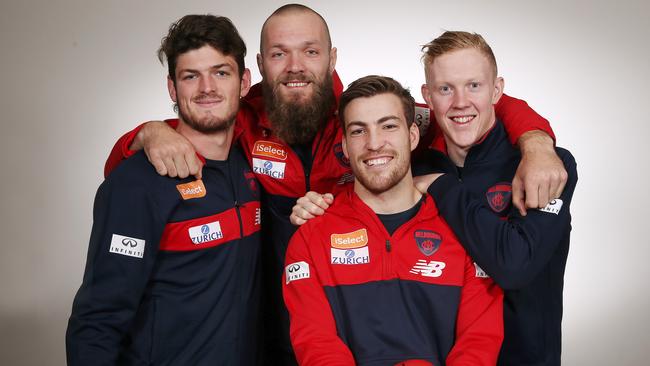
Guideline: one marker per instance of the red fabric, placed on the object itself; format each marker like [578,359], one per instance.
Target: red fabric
[314,335]
[175,237]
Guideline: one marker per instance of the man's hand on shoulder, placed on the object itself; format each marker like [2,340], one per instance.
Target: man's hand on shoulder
[423,182]
[168,151]
[541,176]
[309,206]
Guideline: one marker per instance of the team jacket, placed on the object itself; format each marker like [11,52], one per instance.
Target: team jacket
[284,179]
[524,255]
[172,276]
[357,295]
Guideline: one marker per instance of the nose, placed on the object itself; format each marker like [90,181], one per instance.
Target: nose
[295,63]
[460,99]
[375,140]
[207,84]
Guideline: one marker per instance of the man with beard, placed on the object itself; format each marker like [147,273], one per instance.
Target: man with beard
[380,279]
[172,275]
[292,138]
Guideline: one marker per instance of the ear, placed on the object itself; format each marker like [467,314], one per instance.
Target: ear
[171,87]
[260,64]
[499,83]
[414,135]
[426,94]
[345,147]
[245,83]
[332,59]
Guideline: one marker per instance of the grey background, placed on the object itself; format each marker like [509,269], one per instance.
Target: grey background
[76,74]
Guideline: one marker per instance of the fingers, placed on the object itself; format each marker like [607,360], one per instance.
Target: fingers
[194,164]
[309,206]
[299,215]
[518,196]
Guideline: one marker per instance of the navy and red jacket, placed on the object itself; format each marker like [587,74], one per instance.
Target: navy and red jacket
[526,256]
[285,178]
[172,275]
[359,296]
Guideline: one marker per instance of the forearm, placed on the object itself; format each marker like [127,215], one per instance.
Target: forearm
[511,251]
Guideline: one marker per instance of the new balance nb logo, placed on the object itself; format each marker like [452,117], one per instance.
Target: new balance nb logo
[428,269]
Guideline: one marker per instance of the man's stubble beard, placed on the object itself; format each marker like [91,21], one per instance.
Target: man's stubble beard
[298,122]
[380,186]
[208,124]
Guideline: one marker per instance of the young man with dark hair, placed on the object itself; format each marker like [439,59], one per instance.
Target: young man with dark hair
[172,276]
[380,279]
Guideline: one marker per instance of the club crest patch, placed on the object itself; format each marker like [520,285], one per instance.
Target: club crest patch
[428,241]
[252,183]
[338,152]
[499,196]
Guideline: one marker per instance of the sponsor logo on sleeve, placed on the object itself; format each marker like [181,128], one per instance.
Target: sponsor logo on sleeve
[422,119]
[128,246]
[206,233]
[480,272]
[428,269]
[273,169]
[190,190]
[499,196]
[258,217]
[350,248]
[428,241]
[269,149]
[553,207]
[296,271]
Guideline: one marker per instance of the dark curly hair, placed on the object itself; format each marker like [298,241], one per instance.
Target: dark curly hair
[192,32]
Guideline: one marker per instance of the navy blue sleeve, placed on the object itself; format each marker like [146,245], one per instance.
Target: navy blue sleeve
[511,251]
[121,254]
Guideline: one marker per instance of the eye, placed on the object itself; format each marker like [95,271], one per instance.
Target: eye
[474,85]
[312,52]
[189,77]
[277,54]
[444,90]
[222,73]
[390,126]
[356,131]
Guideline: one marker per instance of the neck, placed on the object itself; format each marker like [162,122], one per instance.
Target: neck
[458,154]
[213,146]
[399,198]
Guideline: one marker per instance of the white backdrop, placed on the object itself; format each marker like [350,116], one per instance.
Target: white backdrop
[77,74]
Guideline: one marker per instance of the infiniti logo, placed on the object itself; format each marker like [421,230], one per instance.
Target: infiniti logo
[129,242]
[293,268]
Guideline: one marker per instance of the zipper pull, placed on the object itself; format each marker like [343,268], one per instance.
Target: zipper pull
[387,245]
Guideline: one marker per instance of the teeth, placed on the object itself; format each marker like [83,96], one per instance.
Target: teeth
[296,84]
[462,119]
[378,161]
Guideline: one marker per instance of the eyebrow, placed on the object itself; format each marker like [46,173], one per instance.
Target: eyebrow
[305,43]
[379,121]
[217,66]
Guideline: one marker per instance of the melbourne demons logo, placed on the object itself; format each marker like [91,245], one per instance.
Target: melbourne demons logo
[338,152]
[499,196]
[252,183]
[428,241]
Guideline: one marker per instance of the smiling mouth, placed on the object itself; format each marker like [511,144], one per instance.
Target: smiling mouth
[461,120]
[377,161]
[296,84]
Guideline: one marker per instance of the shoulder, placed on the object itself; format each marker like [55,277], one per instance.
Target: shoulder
[137,174]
